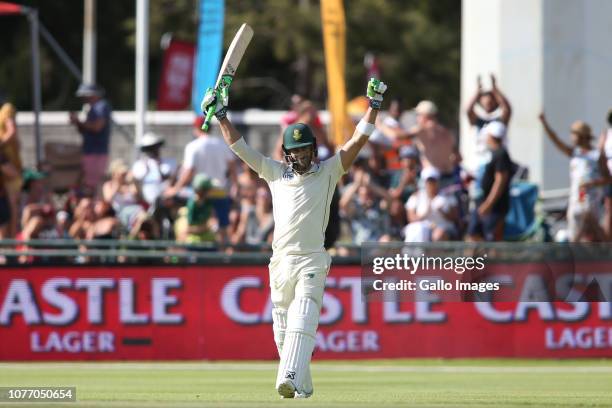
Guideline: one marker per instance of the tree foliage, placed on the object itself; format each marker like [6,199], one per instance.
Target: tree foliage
[416,42]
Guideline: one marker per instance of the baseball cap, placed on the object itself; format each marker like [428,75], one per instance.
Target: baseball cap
[198,122]
[297,135]
[408,152]
[496,129]
[430,173]
[89,90]
[150,139]
[580,128]
[201,182]
[426,108]
[32,174]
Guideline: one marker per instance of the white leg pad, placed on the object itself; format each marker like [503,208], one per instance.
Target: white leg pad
[307,388]
[302,322]
[279,325]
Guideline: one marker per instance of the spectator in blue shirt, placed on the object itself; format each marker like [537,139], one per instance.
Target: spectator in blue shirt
[95,131]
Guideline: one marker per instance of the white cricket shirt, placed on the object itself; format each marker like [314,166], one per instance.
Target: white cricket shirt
[300,202]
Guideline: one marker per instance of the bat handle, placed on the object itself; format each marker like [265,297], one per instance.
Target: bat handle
[224,84]
[209,114]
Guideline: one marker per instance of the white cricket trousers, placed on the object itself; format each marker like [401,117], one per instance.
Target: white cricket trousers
[297,279]
[297,276]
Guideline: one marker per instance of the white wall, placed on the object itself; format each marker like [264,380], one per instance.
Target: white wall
[547,54]
[261,128]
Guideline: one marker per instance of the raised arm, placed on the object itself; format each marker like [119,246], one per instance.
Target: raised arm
[502,101]
[219,99]
[565,148]
[238,145]
[471,113]
[95,125]
[229,132]
[364,129]
[348,152]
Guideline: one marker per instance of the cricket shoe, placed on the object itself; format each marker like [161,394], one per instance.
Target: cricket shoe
[303,394]
[307,389]
[286,389]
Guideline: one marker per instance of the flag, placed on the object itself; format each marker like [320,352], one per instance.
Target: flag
[177,72]
[209,48]
[10,8]
[334,43]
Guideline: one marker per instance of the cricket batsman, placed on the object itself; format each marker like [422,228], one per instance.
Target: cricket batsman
[302,190]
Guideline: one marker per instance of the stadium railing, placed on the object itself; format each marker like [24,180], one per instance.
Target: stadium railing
[67,251]
[122,252]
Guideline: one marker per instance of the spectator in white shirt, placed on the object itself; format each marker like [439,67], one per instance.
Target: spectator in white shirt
[585,195]
[209,155]
[482,109]
[152,173]
[432,216]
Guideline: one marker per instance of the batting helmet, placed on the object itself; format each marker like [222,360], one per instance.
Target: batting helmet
[298,135]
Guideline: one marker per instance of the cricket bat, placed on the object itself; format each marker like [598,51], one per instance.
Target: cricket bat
[230,65]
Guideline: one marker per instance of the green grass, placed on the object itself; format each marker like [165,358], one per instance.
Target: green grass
[373,383]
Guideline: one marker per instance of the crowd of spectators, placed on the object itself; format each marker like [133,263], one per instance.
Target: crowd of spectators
[408,184]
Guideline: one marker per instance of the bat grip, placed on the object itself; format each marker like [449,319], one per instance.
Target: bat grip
[209,114]
[226,81]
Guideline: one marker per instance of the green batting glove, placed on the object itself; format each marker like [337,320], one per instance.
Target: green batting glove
[214,103]
[223,96]
[209,100]
[223,91]
[375,91]
[208,106]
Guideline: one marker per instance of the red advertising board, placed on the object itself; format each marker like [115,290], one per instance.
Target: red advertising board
[223,312]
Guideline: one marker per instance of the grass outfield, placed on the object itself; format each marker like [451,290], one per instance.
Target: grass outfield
[373,383]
